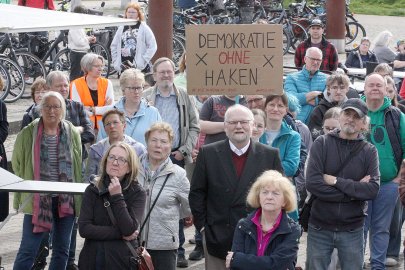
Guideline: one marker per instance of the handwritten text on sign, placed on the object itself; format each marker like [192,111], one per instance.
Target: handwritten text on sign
[234,59]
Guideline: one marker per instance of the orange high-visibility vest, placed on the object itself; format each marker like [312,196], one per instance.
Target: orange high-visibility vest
[85,96]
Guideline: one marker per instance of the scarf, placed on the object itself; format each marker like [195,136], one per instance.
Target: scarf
[144,160]
[42,211]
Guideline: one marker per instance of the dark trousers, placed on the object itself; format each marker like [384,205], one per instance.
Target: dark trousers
[3,205]
[163,259]
[72,248]
[75,68]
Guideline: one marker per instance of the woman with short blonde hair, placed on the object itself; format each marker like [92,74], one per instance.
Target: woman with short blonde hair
[267,238]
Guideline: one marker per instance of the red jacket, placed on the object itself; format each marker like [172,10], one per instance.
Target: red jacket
[43,4]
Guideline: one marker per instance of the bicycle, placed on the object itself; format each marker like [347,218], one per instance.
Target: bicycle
[6,80]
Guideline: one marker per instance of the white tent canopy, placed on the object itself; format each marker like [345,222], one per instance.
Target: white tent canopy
[16,19]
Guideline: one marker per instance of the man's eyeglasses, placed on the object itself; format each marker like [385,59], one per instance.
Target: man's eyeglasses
[51,107]
[243,123]
[314,59]
[120,160]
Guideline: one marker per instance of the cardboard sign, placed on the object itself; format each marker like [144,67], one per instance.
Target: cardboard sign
[234,59]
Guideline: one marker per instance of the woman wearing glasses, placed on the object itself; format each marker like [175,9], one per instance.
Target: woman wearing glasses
[158,173]
[48,149]
[135,44]
[139,115]
[104,246]
[93,91]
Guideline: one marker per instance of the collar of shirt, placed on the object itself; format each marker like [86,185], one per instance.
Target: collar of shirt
[172,93]
[237,151]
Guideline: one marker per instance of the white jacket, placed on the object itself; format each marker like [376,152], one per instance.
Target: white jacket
[78,41]
[145,47]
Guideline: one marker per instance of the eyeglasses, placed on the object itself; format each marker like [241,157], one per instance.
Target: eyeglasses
[98,66]
[51,107]
[336,87]
[134,89]
[314,59]
[120,160]
[243,123]
[115,123]
[164,72]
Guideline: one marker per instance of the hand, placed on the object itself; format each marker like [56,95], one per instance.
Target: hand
[311,97]
[115,186]
[177,155]
[188,221]
[194,154]
[132,236]
[228,259]
[365,179]
[108,101]
[329,179]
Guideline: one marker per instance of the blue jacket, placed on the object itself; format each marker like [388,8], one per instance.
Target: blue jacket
[299,84]
[288,143]
[138,124]
[281,251]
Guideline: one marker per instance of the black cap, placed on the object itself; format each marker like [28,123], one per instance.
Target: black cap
[316,22]
[357,105]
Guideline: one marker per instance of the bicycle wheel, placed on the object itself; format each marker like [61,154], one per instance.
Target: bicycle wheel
[100,49]
[7,82]
[32,68]
[178,49]
[354,33]
[61,61]
[298,34]
[17,82]
[286,40]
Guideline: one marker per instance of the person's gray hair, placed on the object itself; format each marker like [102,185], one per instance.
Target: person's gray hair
[160,61]
[131,74]
[383,38]
[55,74]
[238,107]
[59,97]
[87,61]
[313,49]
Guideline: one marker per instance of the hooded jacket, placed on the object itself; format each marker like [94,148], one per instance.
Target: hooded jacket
[341,207]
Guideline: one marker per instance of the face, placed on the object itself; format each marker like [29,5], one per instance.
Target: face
[390,91]
[96,68]
[316,32]
[276,110]
[313,61]
[239,127]
[258,127]
[61,85]
[375,88]
[271,199]
[255,102]
[159,146]
[51,111]
[114,127]
[117,163]
[132,14]
[39,93]
[330,125]
[164,75]
[133,90]
[350,122]
[337,92]
[401,48]
[364,47]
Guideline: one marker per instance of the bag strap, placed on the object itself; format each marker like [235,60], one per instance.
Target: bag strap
[153,204]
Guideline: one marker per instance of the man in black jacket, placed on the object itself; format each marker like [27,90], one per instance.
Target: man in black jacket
[342,174]
[224,172]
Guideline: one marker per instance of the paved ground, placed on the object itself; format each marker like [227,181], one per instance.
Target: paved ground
[10,235]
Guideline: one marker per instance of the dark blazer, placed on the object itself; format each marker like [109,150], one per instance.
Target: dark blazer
[217,198]
[281,251]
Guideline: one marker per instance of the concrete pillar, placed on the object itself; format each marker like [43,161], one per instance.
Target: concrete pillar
[161,22]
[335,23]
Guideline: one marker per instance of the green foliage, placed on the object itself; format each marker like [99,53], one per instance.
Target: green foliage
[371,7]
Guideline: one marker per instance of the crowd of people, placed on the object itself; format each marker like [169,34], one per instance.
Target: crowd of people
[237,168]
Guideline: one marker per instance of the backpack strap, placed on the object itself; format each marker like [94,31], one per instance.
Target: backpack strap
[392,119]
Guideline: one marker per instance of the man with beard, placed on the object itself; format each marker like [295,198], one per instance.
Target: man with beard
[342,174]
[330,57]
[388,135]
[224,171]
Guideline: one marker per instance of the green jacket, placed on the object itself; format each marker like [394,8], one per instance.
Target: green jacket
[22,162]
[378,136]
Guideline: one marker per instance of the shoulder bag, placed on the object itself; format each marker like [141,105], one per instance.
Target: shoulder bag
[140,256]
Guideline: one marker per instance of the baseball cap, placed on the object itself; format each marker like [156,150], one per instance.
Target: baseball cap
[316,22]
[357,105]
